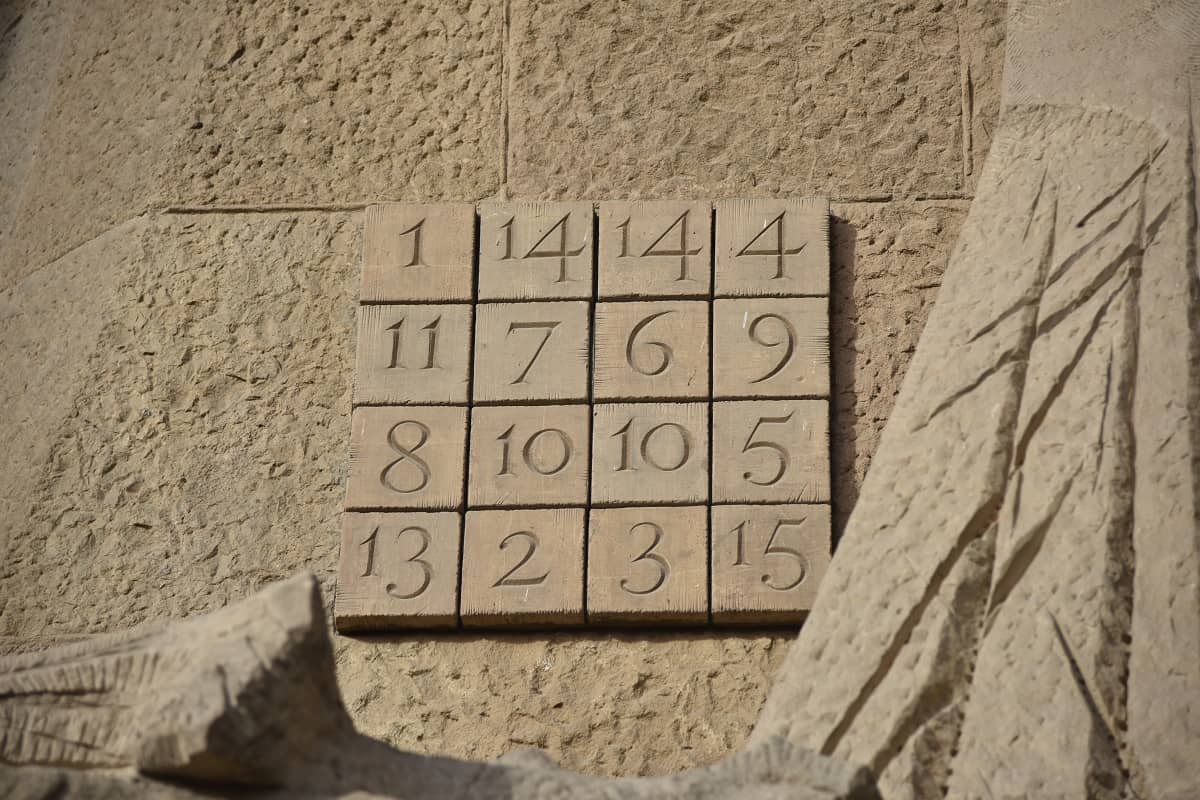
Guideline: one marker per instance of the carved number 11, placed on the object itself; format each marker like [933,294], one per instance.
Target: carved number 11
[397,361]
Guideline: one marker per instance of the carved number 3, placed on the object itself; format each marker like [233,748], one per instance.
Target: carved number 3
[426,567]
[773,549]
[662,567]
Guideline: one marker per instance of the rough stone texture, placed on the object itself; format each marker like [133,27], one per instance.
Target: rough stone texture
[246,698]
[1044,446]
[773,97]
[344,101]
[240,481]
[122,93]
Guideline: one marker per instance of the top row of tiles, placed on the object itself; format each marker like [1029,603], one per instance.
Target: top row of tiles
[545,250]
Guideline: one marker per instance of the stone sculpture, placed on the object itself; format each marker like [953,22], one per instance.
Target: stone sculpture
[1014,609]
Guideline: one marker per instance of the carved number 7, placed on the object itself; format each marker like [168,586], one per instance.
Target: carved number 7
[777,450]
[548,327]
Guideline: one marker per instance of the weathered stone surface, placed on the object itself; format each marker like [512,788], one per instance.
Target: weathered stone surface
[123,91]
[345,101]
[659,101]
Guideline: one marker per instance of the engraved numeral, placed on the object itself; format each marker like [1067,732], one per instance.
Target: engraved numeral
[778,251]
[776,449]
[533,455]
[397,330]
[662,567]
[548,327]
[560,251]
[408,455]
[663,350]
[789,345]
[509,578]
[773,549]
[647,441]
[426,568]
[624,226]
[415,230]
[680,224]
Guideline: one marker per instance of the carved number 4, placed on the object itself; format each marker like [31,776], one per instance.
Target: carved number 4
[778,250]
[680,224]
[773,549]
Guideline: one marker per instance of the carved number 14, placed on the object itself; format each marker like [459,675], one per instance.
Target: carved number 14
[680,224]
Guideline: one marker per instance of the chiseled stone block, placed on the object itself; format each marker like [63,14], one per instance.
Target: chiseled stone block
[529,455]
[523,567]
[535,250]
[654,248]
[413,354]
[776,347]
[531,351]
[406,457]
[652,350]
[648,565]
[649,453]
[767,561]
[398,570]
[771,451]
[418,251]
[772,248]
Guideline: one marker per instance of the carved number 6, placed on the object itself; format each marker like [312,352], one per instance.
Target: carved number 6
[664,350]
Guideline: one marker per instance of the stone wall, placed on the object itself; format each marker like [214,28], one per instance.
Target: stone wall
[181,186]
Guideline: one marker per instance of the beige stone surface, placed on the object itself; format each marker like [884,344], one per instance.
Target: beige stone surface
[771,348]
[772,248]
[123,92]
[406,457]
[398,569]
[647,565]
[523,567]
[645,453]
[774,451]
[413,354]
[418,251]
[536,250]
[529,456]
[767,561]
[651,350]
[344,101]
[531,351]
[654,248]
[112,518]
[770,98]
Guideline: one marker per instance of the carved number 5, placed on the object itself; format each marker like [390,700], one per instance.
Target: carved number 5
[777,450]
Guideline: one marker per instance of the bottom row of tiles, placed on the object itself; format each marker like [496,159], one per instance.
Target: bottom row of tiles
[522,567]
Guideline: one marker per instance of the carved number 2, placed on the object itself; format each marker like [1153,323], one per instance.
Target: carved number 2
[426,567]
[773,549]
[509,578]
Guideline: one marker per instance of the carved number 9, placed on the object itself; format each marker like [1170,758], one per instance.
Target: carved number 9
[652,365]
[788,342]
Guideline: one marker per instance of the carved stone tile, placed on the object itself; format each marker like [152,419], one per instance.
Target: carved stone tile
[406,457]
[535,251]
[418,251]
[652,350]
[654,248]
[767,561]
[398,569]
[410,354]
[777,347]
[649,453]
[523,567]
[529,456]
[531,351]
[771,451]
[772,248]
[648,565]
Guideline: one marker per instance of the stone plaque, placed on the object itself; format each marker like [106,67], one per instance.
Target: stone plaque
[567,413]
